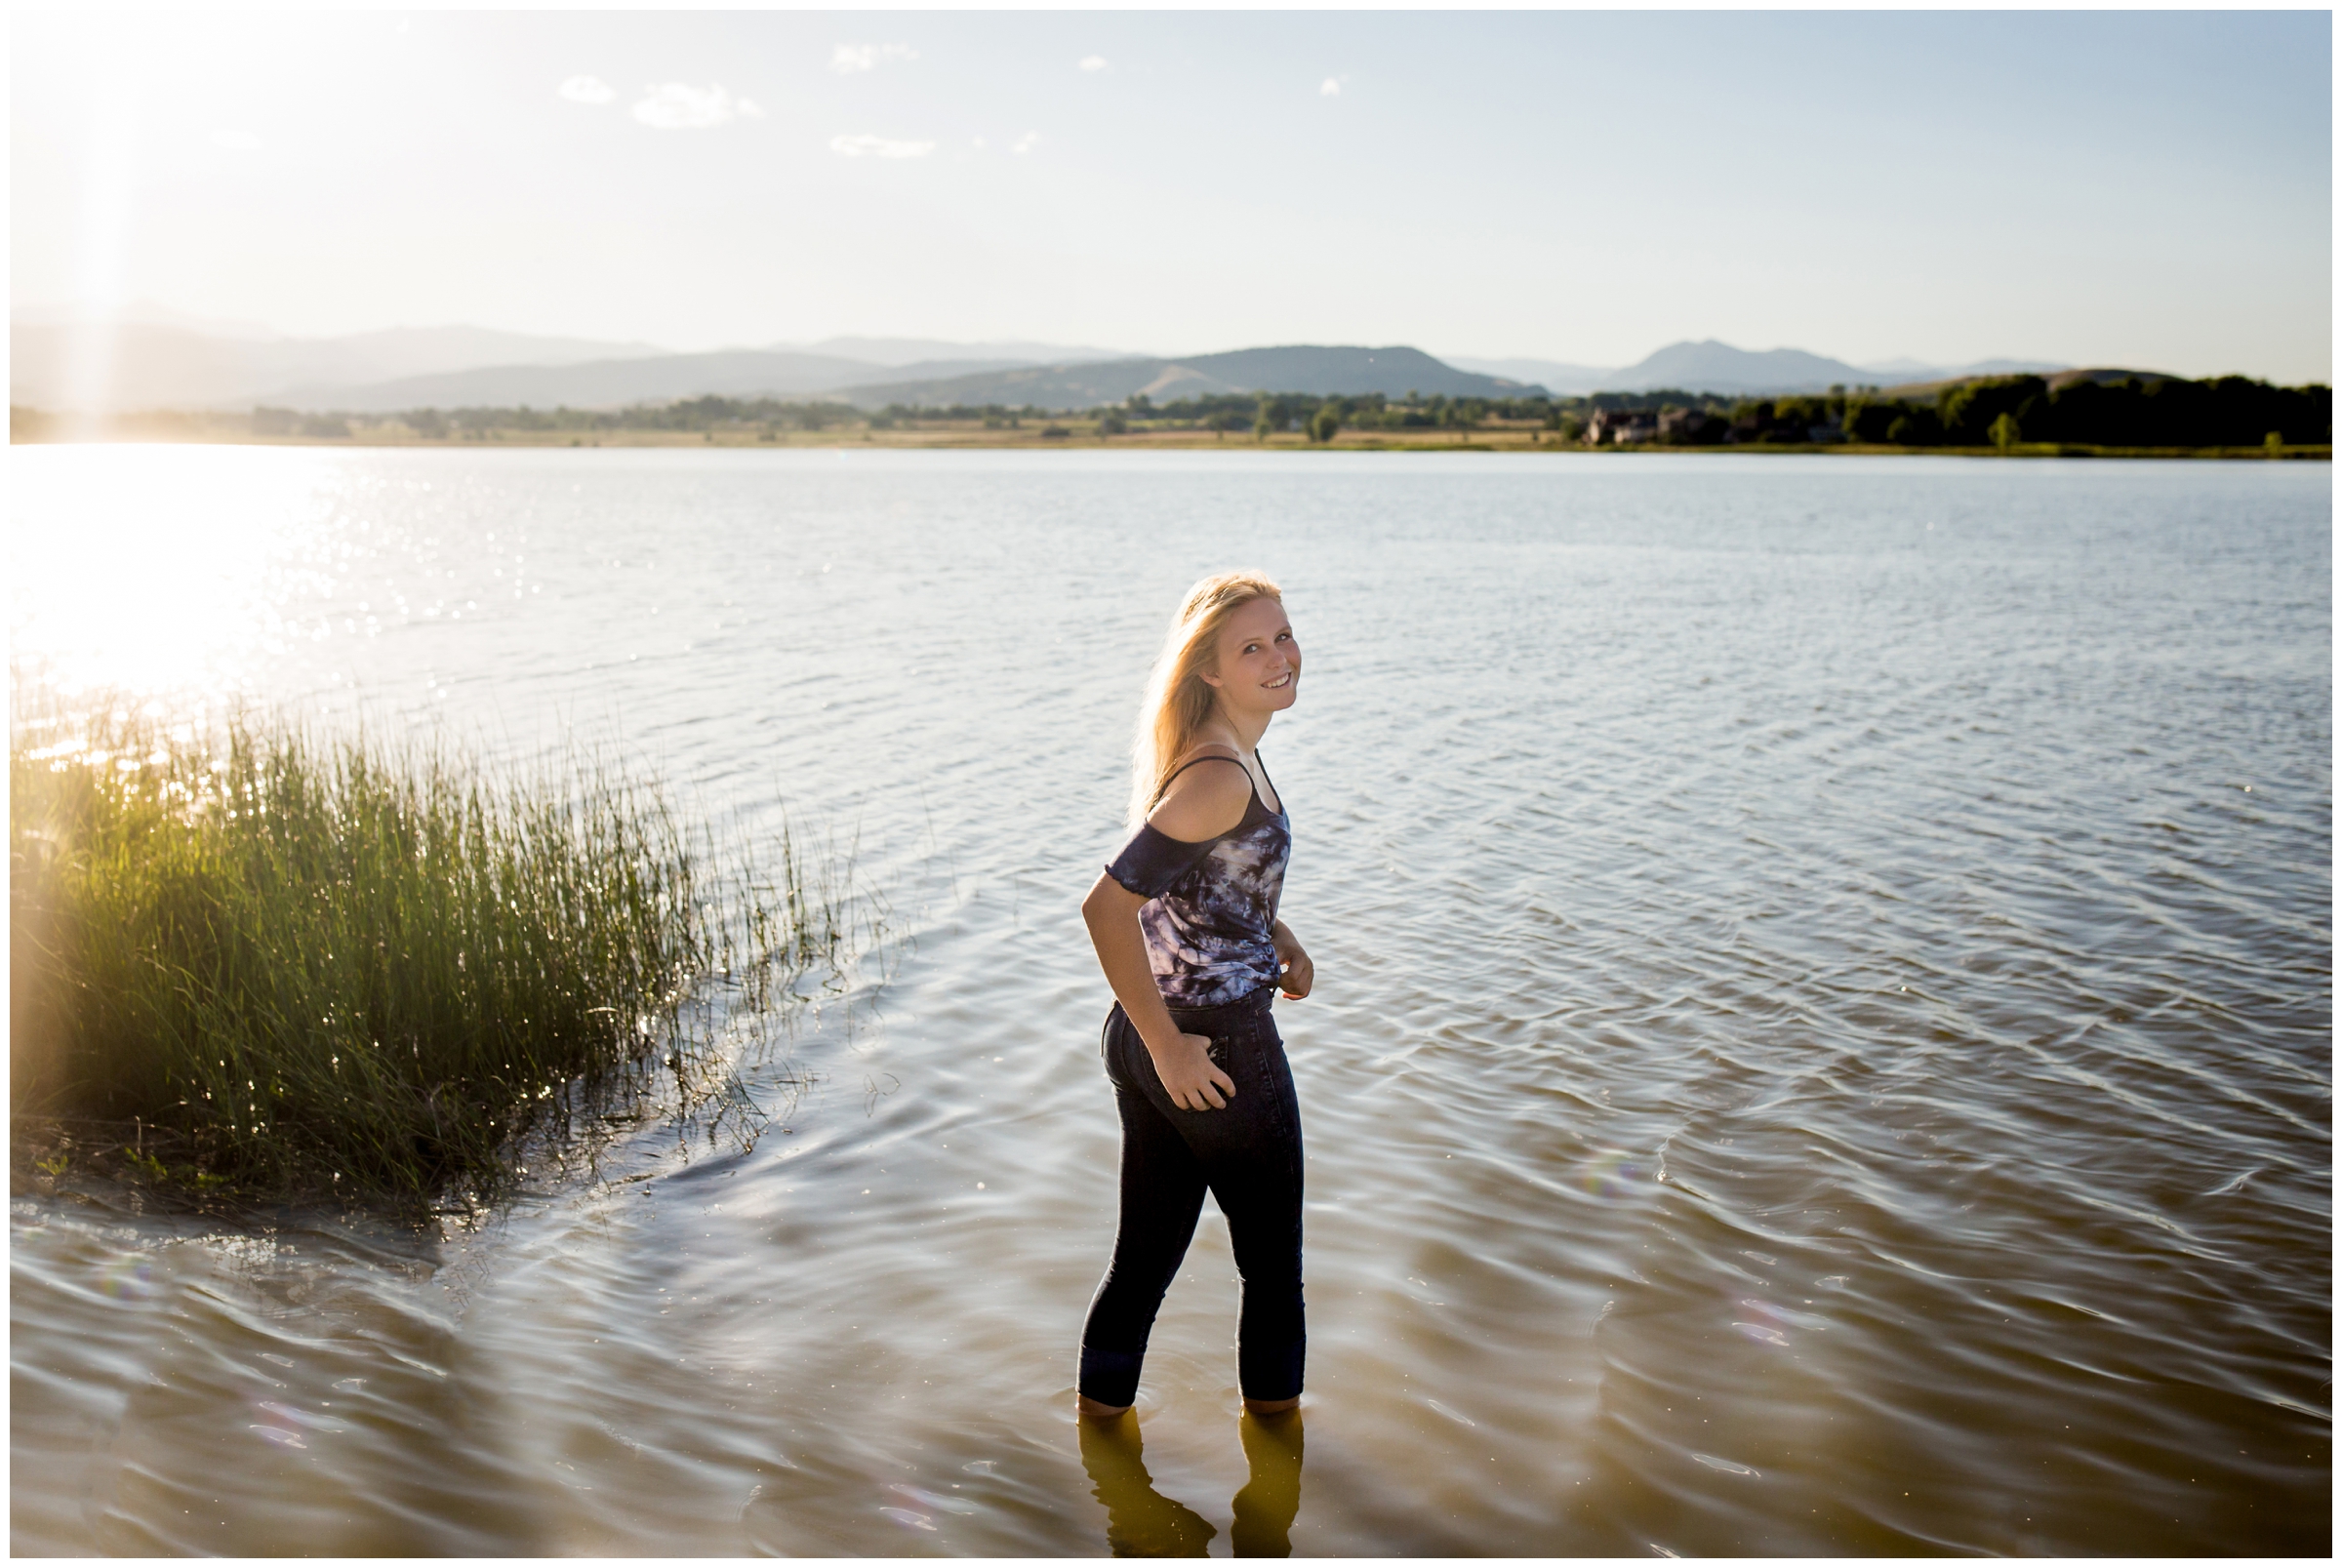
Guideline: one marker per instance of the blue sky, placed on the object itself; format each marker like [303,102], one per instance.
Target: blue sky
[2142,188]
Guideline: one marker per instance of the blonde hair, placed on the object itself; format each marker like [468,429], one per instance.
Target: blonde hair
[1178,701]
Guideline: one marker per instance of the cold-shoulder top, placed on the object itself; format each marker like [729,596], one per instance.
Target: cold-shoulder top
[1211,904]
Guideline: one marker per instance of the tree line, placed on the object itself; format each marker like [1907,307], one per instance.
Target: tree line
[2230,411]
[2006,411]
[2003,410]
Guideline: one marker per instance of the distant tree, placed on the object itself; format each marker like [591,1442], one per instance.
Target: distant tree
[1970,410]
[1113,422]
[1326,423]
[2005,432]
[1870,422]
[1899,430]
[1261,427]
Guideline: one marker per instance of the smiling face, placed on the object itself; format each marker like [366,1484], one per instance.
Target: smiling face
[1258,667]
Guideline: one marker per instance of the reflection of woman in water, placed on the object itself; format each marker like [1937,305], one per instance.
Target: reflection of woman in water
[1142,1522]
[1185,923]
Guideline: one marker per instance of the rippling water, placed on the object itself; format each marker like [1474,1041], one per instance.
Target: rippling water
[1822,1039]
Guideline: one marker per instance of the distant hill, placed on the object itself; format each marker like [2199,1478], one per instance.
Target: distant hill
[2056,377]
[1716,367]
[907,351]
[141,364]
[148,358]
[1711,365]
[1903,371]
[1554,375]
[615,382]
[1301,368]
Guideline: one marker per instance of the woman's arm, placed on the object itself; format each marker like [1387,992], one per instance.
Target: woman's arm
[1181,1061]
[1299,973]
[1202,803]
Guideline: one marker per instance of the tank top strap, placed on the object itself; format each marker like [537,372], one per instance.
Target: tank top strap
[1280,794]
[1210,752]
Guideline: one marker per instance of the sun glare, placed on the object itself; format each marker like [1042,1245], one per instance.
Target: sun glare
[159,572]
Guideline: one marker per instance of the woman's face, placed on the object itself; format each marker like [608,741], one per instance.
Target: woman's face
[1260,664]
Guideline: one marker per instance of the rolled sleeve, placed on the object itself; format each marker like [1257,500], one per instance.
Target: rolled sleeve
[1154,862]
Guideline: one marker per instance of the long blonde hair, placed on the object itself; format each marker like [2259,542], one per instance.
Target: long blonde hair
[1178,701]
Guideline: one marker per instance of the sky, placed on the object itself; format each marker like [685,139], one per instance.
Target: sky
[2150,190]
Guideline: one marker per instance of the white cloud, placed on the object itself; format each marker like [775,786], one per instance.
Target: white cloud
[236,141]
[878,146]
[1093,62]
[587,90]
[1025,142]
[851,57]
[680,107]
[1329,88]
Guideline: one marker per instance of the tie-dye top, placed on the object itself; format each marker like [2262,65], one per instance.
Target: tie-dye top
[1211,904]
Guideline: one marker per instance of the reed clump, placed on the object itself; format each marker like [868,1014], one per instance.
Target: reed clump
[298,964]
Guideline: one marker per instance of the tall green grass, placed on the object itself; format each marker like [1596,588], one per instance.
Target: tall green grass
[308,964]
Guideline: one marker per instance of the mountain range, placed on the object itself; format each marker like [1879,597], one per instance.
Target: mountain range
[153,360]
[1709,366]
[157,364]
[1393,372]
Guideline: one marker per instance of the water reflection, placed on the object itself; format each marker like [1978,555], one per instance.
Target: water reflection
[1265,1508]
[1142,1522]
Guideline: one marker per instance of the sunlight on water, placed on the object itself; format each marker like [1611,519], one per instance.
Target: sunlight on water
[1822,1041]
[168,571]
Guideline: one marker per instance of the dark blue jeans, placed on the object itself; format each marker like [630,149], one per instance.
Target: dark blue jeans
[1248,1155]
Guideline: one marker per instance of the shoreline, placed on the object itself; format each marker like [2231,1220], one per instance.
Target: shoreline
[1056,439]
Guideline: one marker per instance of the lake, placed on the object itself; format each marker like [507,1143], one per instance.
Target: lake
[1822,1039]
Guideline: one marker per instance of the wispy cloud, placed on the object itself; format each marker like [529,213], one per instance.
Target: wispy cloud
[236,141]
[1025,142]
[1331,87]
[851,57]
[878,146]
[1093,62]
[680,107]
[587,90]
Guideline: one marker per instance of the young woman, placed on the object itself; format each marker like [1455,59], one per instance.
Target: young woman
[1185,923]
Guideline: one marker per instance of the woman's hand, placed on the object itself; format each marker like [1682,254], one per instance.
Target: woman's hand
[1190,1075]
[1298,973]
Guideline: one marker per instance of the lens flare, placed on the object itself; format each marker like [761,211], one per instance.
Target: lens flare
[128,1278]
[1611,1173]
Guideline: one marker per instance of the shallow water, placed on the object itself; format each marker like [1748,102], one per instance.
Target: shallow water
[1822,1040]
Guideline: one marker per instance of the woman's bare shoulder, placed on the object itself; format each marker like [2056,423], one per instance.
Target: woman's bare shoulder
[1206,800]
